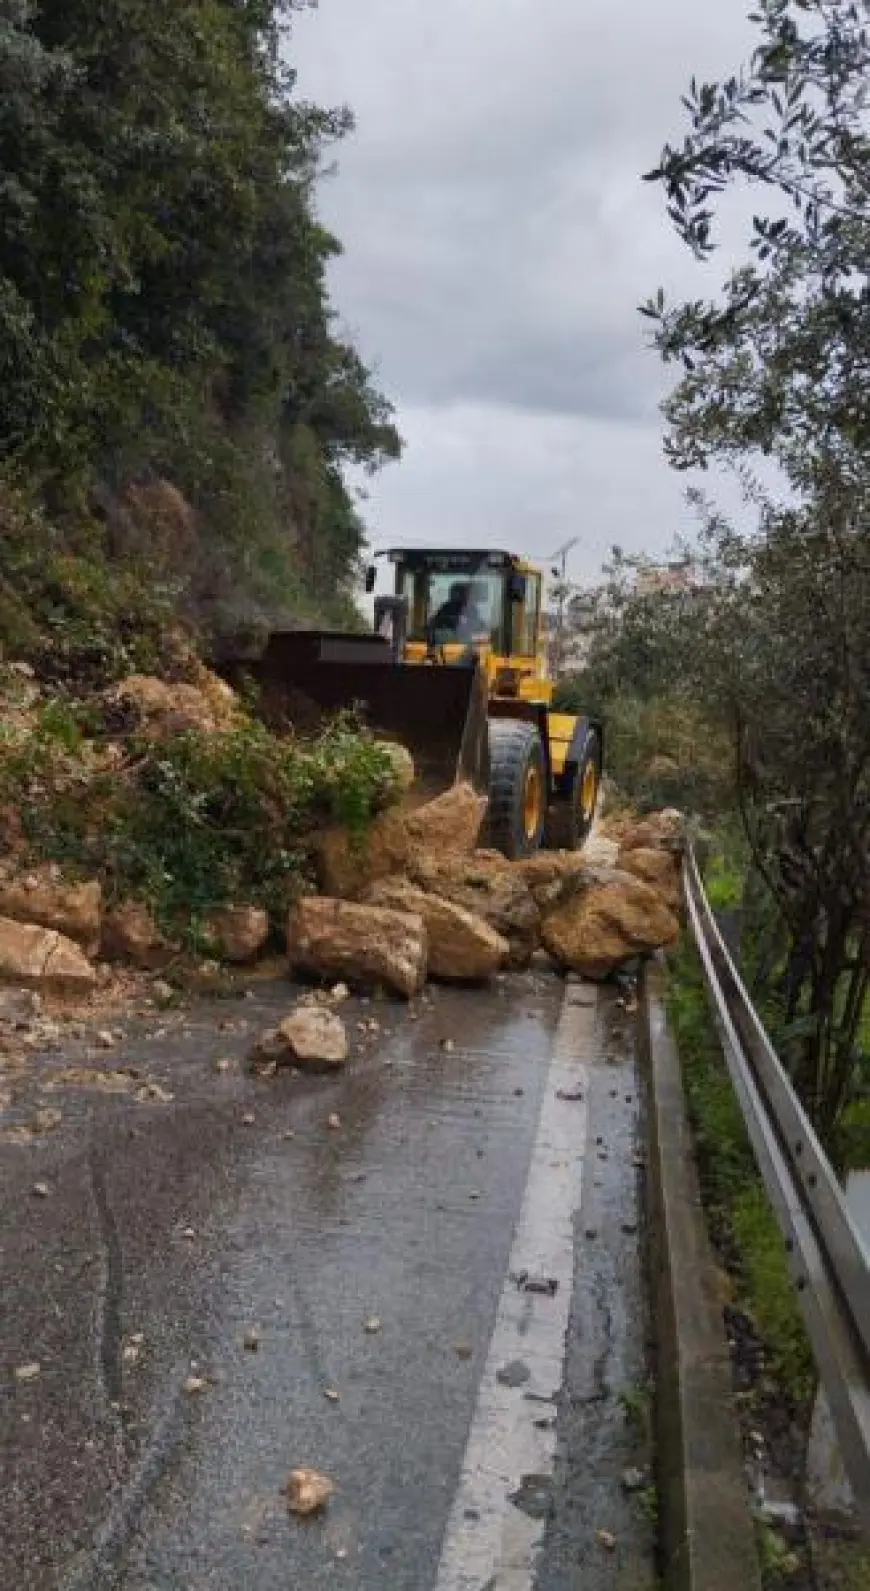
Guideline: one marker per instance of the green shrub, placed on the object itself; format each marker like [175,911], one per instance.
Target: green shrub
[200,821]
[659,749]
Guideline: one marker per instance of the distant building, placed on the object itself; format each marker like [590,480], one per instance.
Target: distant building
[683,576]
[570,630]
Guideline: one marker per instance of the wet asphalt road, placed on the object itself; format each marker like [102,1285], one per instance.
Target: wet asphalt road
[174,1226]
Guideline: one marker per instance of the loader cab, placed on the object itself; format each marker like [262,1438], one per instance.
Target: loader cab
[461,603]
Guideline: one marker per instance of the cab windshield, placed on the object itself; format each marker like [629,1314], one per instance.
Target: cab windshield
[446,608]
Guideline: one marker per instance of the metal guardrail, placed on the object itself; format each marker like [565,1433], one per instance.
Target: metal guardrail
[828,1259]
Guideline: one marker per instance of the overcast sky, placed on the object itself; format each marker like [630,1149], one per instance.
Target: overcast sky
[497,242]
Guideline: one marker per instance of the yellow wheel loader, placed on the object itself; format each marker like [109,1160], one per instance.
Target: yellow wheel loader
[456,670]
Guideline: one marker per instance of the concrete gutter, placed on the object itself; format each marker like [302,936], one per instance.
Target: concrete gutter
[706,1529]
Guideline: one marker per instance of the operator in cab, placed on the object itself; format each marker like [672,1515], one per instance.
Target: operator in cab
[461,618]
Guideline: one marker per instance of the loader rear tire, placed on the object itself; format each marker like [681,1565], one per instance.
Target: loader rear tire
[570,819]
[517,788]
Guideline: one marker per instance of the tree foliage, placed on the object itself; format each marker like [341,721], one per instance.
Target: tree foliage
[779,364]
[755,689]
[777,367]
[163,299]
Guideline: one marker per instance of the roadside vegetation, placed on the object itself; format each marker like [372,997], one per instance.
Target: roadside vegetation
[741,1221]
[177,403]
[186,812]
[744,692]
[178,411]
[741,691]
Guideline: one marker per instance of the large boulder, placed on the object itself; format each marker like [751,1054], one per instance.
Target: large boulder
[599,851]
[604,918]
[546,872]
[312,1038]
[222,700]
[367,945]
[41,897]
[238,933]
[158,710]
[41,957]
[462,945]
[658,868]
[347,864]
[487,886]
[130,933]
[657,831]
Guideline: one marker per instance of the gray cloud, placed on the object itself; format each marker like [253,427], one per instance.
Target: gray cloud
[498,241]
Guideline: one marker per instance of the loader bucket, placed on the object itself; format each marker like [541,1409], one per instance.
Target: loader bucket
[439,713]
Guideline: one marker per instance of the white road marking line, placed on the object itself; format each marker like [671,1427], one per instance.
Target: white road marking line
[489,1542]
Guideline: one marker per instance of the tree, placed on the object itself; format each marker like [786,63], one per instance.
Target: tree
[39,179]
[163,298]
[778,368]
[779,365]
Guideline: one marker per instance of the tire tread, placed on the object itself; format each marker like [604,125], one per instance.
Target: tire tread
[511,742]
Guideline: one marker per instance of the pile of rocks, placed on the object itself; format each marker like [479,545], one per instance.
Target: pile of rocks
[416,899]
[52,931]
[414,909]
[421,900]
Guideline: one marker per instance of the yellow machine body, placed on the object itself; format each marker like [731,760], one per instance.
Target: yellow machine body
[505,635]
[456,670]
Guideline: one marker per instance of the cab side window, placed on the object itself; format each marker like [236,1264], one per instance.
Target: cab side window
[526,614]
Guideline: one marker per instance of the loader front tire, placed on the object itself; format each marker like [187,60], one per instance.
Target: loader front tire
[517,788]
